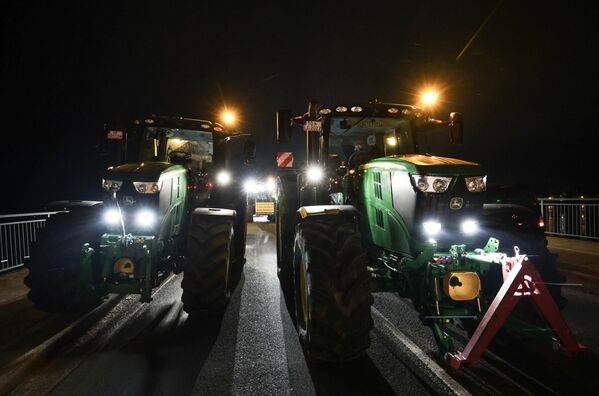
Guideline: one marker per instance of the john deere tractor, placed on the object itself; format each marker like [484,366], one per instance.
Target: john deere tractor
[172,202]
[369,212]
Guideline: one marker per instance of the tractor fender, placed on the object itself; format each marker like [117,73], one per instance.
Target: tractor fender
[306,213]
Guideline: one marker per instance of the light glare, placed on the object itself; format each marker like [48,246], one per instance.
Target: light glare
[145,218]
[229,117]
[469,227]
[429,98]
[315,174]
[223,178]
[111,216]
[431,228]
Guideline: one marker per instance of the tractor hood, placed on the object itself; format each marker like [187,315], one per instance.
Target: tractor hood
[427,164]
[143,172]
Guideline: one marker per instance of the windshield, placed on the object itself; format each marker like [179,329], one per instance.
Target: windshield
[369,137]
[159,143]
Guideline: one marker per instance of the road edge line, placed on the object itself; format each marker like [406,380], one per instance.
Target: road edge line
[416,359]
[19,366]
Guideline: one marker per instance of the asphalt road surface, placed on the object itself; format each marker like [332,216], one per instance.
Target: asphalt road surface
[155,348]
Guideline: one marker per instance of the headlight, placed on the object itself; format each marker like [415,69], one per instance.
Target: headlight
[251,186]
[223,178]
[112,216]
[434,184]
[148,187]
[469,227]
[145,218]
[476,183]
[431,228]
[314,174]
[111,185]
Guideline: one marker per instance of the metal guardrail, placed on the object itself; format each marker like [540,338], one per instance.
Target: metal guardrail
[17,231]
[572,217]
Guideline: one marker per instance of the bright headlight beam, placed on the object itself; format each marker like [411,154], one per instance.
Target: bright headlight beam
[223,178]
[251,186]
[315,174]
[145,218]
[469,227]
[392,141]
[431,228]
[112,216]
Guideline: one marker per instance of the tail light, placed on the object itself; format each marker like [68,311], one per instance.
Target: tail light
[541,223]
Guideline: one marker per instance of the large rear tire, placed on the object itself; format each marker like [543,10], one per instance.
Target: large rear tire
[54,263]
[207,265]
[332,290]
[240,232]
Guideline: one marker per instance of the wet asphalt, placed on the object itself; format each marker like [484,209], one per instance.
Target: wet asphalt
[252,349]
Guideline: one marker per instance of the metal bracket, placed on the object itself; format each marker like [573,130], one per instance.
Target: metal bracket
[521,280]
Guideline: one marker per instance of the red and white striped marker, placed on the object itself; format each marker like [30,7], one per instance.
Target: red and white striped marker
[284,159]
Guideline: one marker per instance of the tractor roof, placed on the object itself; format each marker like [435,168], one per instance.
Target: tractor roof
[175,122]
[372,109]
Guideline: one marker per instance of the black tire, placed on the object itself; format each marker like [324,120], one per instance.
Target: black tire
[207,265]
[332,290]
[240,232]
[55,263]
[285,208]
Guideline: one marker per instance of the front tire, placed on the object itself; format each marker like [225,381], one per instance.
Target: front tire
[55,263]
[332,290]
[207,265]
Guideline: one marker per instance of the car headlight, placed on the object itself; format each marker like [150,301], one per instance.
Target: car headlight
[434,184]
[431,228]
[314,174]
[223,178]
[145,218]
[111,185]
[148,187]
[112,216]
[469,227]
[476,183]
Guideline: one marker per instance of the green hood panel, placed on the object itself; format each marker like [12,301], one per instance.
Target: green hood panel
[143,172]
[426,164]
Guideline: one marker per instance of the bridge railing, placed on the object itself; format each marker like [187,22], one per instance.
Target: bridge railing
[572,217]
[17,231]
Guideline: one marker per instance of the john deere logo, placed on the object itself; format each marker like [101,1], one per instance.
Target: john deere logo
[128,200]
[456,203]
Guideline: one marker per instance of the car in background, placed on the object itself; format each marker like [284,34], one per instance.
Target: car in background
[513,208]
[512,214]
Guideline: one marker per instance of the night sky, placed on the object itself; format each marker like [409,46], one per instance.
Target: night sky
[527,86]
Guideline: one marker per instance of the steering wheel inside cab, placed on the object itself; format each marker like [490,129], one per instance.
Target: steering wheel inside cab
[179,157]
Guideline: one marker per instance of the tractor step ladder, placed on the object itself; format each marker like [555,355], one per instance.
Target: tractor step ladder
[521,280]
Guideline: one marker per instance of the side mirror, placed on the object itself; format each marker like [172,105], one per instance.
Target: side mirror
[283,126]
[456,128]
[249,151]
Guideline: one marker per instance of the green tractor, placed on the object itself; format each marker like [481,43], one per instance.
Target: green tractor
[172,202]
[369,213]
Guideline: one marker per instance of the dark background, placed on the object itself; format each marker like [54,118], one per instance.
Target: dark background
[527,86]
